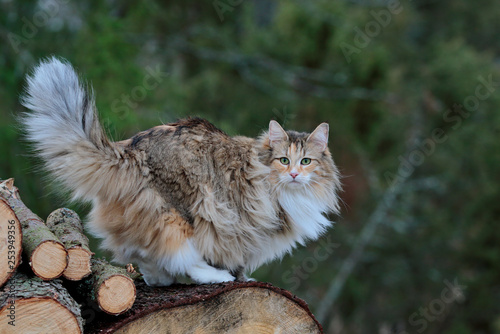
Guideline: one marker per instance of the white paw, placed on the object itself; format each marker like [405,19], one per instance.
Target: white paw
[204,274]
[243,278]
[156,277]
[155,281]
[221,276]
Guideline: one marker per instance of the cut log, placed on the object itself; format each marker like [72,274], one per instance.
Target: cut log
[47,255]
[68,227]
[111,287]
[250,307]
[10,236]
[31,305]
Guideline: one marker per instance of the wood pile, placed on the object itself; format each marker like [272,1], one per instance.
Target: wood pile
[50,282]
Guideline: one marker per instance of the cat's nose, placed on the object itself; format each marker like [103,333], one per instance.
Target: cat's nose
[294,175]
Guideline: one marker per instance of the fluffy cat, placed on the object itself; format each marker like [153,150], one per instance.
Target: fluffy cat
[182,198]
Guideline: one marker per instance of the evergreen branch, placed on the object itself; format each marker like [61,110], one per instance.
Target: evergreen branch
[297,78]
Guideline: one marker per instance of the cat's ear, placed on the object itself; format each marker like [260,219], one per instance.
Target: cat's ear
[319,137]
[276,133]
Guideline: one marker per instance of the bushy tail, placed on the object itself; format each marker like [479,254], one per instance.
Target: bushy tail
[64,127]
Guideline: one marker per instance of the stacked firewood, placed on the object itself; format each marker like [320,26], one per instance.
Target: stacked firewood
[50,282]
[33,295]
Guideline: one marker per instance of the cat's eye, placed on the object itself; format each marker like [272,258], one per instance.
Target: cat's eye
[305,161]
[285,161]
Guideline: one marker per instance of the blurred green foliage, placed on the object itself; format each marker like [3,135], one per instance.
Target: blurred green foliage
[241,63]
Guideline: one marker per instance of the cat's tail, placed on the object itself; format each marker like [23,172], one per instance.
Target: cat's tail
[67,135]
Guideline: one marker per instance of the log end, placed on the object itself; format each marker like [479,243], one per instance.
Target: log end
[49,260]
[78,264]
[116,295]
[37,313]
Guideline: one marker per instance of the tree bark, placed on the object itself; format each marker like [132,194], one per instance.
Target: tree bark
[250,307]
[111,288]
[47,255]
[68,227]
[10,236]
[28,304]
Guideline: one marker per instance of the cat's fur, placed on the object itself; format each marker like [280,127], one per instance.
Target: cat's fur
[182,198]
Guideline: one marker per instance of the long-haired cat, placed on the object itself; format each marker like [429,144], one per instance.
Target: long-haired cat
[182,198]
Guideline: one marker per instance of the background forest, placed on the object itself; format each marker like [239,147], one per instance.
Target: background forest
[411,90]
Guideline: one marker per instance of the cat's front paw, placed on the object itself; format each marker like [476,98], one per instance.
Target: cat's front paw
[154,276]
[157,281]
[221,276]
[204,274]
[240,277]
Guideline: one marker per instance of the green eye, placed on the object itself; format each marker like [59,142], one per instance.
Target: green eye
[284,161]
[305,161]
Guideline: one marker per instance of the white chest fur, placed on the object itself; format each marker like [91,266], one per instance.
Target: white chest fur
[305,212]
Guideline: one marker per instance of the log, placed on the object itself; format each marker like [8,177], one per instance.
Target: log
[68,227]
[10,236]
[47,255]
[233,307]
[31,305]
[111,288]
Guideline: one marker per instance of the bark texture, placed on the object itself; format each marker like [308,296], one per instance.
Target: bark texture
[47,255]
[68,227]
[112,288]
[251,307]
[29,303]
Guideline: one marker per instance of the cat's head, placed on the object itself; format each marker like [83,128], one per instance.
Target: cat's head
[301,160]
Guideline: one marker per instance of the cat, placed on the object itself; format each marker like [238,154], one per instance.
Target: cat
[182,199]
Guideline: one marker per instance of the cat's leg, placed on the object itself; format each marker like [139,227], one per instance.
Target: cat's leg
[155,275]
[177,254]
[241,276]
[201,272]
[187,260]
